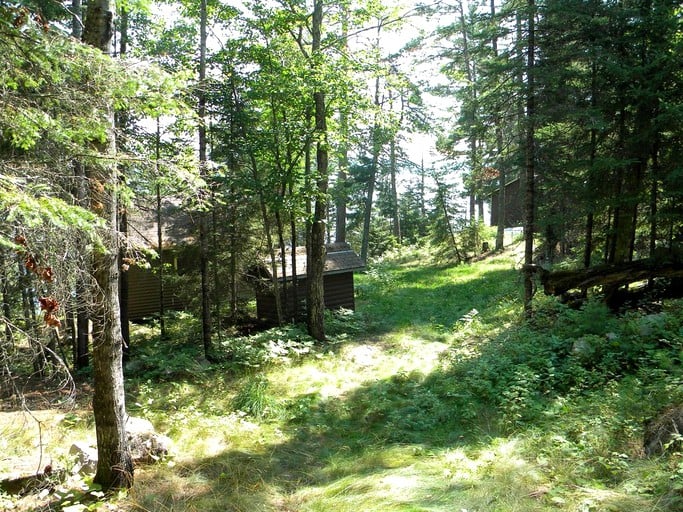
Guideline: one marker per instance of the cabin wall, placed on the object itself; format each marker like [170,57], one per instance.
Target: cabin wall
[338,293]
[514,205]
[143,294]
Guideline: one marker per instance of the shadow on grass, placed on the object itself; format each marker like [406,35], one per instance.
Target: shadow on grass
[367,449]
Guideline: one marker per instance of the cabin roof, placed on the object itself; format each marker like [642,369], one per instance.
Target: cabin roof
[178,226]
[339,258]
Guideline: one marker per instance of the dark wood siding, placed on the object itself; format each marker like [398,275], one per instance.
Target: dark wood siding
[143,294]
[514,205]
[339,293]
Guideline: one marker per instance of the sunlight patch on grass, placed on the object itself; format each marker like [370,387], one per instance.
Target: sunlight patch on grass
[410,478]
[28,442]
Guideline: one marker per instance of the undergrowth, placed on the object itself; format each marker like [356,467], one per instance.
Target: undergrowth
[435,395]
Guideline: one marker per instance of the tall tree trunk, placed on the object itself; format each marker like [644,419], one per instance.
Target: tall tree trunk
[82,299]
[316,251]
[343,151]
[530,152]
[590,218]
[470,75]
[423,188]
[396,225]
[441,198]
[123,122]
[76,22]
[5,292]
[161,292]
[376,150]
[7,343]
[114,465]
[275,284]
[654,188]
[295,278]
[280,227]
[203,217]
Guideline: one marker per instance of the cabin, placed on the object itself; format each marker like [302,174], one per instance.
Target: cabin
[178,247]
[514,204]
[341,262]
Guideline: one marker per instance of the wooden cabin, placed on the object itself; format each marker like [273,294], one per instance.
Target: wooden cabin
[178,244]
[340,264]
[514,204]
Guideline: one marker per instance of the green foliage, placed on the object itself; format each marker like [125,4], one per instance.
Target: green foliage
[578,351]
[459,404]
[255,398]
[275,346]
[175,357]
[472,236]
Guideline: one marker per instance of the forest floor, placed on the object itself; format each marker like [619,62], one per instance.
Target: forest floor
[434,395]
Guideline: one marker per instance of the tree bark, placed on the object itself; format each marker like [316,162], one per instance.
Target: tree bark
[396,225]
[76,23]
[343,163]
[376,149]
[316,251]
[502,174]
[529,194]
[203,217]
[114,465]
[5,299]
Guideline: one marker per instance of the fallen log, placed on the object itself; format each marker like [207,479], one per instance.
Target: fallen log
[561,281]
[25,484]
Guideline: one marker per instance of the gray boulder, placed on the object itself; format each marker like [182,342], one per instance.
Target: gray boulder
[146,446]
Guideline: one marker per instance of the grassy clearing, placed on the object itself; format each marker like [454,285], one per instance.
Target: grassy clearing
[433,396]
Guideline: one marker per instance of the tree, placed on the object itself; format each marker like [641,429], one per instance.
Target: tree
[114,465]
[530,157]
[203,215]
[316,251]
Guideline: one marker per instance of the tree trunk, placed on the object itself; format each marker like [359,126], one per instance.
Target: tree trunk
[316,251]
[441,198]
[562,281]
[376,149]
[123,126]
[590,218]
[295,278]
[5,292]
[203,217]
[343,164]
[529,194]
[82,299]
[114,465]
[394,193]
[269,242]
[76,23]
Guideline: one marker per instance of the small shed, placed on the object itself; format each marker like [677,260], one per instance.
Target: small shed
[341,262]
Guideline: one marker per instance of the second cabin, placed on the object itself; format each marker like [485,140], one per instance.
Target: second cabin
[340,264]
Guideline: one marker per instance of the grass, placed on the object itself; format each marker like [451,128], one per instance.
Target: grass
[433,396]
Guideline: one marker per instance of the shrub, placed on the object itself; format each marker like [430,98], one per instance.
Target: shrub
[254,398]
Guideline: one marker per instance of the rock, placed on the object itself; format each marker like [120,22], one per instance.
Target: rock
[664,431]
[86,458]
[25,484]
[145,444]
